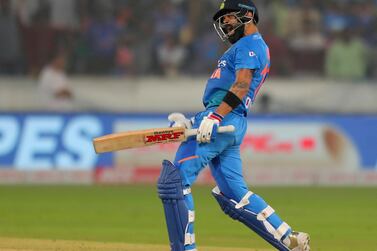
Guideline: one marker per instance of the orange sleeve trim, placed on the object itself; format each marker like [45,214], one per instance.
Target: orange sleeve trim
[188,158]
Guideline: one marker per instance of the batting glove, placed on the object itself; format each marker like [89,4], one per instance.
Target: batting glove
[179,120]
[208,128]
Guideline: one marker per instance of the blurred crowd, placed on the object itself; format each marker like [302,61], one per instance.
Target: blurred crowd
[333,38]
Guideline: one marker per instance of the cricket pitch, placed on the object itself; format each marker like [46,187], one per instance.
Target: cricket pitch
[19,244]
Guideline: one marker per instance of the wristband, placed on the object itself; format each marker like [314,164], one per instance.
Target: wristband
[232,100]
[216,116]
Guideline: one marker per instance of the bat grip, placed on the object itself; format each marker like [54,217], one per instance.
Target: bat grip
[221,129]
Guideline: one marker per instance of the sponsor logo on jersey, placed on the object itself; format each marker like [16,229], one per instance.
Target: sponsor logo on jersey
[221,63]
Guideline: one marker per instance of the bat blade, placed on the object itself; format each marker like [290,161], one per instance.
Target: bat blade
[141,138]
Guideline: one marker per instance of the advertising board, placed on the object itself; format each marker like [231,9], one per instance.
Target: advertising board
[275,146]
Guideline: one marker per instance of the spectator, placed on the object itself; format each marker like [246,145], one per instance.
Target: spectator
[40,39]
[124,58]
[346,57]
[304,27]
[106,33]
[10,43]
[168,19]
[308,42]
[63,15]
[280,15]
[364,13]
[372,43]
[310,38]
[302,14]
[53,84]
[143,49]
[281,64]
[170,56]
[335,16]
[206,50]
[25,10]
[101,37]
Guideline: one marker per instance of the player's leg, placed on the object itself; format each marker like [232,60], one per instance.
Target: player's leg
[190,159]
[176,179]
[174,187]
[241,204]
[178,208]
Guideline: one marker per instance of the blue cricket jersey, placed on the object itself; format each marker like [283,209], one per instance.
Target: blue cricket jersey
[250,52]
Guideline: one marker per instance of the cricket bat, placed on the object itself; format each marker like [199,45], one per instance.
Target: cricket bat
[141,138]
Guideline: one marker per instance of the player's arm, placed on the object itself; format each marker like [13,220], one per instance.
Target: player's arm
[232,100]
[236,93]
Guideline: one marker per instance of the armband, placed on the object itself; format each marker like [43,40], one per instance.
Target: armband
[232,100]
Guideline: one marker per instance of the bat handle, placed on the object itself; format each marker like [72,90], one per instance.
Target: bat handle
[221,129]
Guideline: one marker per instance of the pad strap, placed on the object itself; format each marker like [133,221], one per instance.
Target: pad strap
[244,201]
[281,231]
[187,191]
[189,239]
[191,216]
[277,233]
[265,213]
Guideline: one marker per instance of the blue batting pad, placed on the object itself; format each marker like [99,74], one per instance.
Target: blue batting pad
[249,219]
[170,190]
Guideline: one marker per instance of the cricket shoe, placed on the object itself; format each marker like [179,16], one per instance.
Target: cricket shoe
[298,241]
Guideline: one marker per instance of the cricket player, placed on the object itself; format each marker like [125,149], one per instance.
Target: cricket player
[230,90]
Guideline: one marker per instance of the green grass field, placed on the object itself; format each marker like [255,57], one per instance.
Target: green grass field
[131,218]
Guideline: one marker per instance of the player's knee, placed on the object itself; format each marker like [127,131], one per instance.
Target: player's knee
[189,169]
[169,184]
[230,206]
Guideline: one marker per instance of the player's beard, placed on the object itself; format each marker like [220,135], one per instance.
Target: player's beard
[234,33]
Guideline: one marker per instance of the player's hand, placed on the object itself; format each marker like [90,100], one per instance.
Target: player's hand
[179,120]
[208,128]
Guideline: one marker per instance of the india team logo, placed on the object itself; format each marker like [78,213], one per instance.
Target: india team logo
[252,54]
